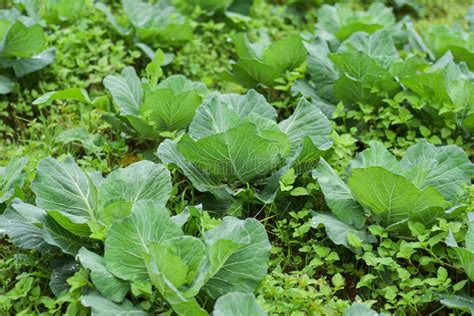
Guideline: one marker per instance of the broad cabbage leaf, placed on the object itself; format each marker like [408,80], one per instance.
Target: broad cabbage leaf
[263,62]
[426,184]
[105,282]
[237,304]
[443,38]
[150,110]
[231,257]
[150,23]
[72,206]
[338,22]
[22,47]
[234,140]
[11,178]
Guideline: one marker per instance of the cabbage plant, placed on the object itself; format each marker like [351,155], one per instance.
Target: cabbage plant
[143,108]
[443,38]
[76,212]
[232,257]
[235,142]
[263,62]
[358,72]
[428,183]
[446,91]
[211,7]
[22,48]
[368,70]
[338,22]
[353,56]
[56,11]
[151,23]
[148,109]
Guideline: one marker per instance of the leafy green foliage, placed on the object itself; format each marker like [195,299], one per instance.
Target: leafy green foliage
[22,47]
[392,192]
[264,62]
[237,304]
[442,38]
[144,108]
[24,284]
[234,139]
[126,210]
[231,8]
[149,23]
[104,228]
[340,21]
[387,89]
[11,178]
[56,11]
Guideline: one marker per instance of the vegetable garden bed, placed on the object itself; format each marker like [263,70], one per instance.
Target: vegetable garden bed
[236,157]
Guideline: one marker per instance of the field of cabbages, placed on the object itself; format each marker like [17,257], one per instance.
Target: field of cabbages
[236,157]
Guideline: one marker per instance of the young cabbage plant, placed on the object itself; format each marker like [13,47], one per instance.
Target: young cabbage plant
[351,56]
[368,70]
[151,109]
[339,22]
[445,92]
[73,207]
[230,8]
[75,211]
[357,72]
[428,183]
[22,48]
[152,24]
[144,108]
[56,11]
[460,42]
[263,62]
[235,143]
[364,69]
[185,270]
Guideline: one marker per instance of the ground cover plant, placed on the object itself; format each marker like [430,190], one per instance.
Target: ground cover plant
[172,157]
